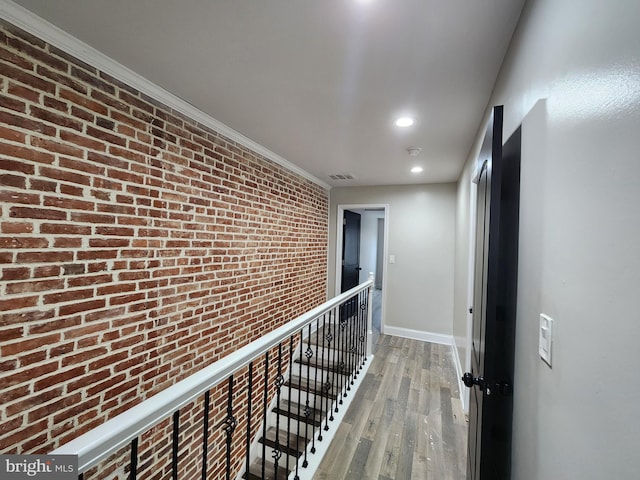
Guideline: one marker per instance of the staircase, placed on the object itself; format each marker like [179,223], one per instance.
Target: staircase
[321,372]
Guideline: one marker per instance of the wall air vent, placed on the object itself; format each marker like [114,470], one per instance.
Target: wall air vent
[342,176]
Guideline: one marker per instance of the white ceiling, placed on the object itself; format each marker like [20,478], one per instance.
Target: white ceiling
[317,82]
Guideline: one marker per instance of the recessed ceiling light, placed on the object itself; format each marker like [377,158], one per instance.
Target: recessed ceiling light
[416,170]
[405,122]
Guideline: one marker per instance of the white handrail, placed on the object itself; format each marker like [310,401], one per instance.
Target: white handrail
[102,441]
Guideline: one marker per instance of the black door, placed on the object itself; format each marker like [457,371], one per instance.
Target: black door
[350,251]
[494,306]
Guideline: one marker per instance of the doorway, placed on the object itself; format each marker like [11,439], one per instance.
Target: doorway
[372,250]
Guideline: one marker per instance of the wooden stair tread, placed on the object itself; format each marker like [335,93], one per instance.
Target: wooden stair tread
[325,365]
[315,388]
[255,471]
[296,412]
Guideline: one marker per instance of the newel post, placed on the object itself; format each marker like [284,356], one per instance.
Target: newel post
[370,316]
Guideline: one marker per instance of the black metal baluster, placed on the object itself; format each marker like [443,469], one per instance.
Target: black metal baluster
[229,426]
[365,327]
[359,333]
[335,373]
[300,410]
[322,373]
[350,342]
[355,321]
[307,409]
[265,399]
[289,402]
[81,476]
[176,438]
[277,453]
[315,397]
[327,386]
[134,459]
[343,352]
[205,435]
[356,337]
[249,403]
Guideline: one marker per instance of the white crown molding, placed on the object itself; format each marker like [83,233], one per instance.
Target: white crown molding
[37,26]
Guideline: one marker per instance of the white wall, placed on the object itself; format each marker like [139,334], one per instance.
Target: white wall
[572,78]
[418,292]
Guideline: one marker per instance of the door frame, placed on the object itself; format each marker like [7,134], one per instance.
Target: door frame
[473,207]
[338,250]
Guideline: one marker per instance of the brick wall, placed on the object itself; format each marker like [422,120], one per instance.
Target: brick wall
[136,245]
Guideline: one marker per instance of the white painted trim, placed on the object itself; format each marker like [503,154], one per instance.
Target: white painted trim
[464,395]
[322,447]
[37,26]
[419,335]
[473,207]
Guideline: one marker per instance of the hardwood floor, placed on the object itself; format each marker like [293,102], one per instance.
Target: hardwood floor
[406,420]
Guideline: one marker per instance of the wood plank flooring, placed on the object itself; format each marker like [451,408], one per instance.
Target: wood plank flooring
[406,420]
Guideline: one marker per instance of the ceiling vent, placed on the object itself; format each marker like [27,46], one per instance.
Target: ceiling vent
[342,176]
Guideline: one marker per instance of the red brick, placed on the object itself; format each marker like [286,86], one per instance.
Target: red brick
[67,243]
[23,92]
[68,296]
[37,213]
[22,122]
[29,344]
[42,185]
[82,140]
[56,118]
[19,273]
[92,218]
[29,374]
[11,134]
[51,326]
[46,271]
[29,79]
[14,181]
[17,303]
[56,104]
[16,227]
[49,409]
[83,101]
[35,286]
[24,153]
[82,307]
[8,334]
[64,229]
[43,257]
[23,242]
[66,203]
[60,378]
[56,147]
[65,176]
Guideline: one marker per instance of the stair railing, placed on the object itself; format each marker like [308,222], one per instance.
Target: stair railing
[264,406]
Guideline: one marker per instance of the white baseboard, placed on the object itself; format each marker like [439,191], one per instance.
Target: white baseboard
[434,338]
[461,388]
[419,335]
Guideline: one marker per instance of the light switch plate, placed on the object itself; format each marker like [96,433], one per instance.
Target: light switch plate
[392,259]
[546,338]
